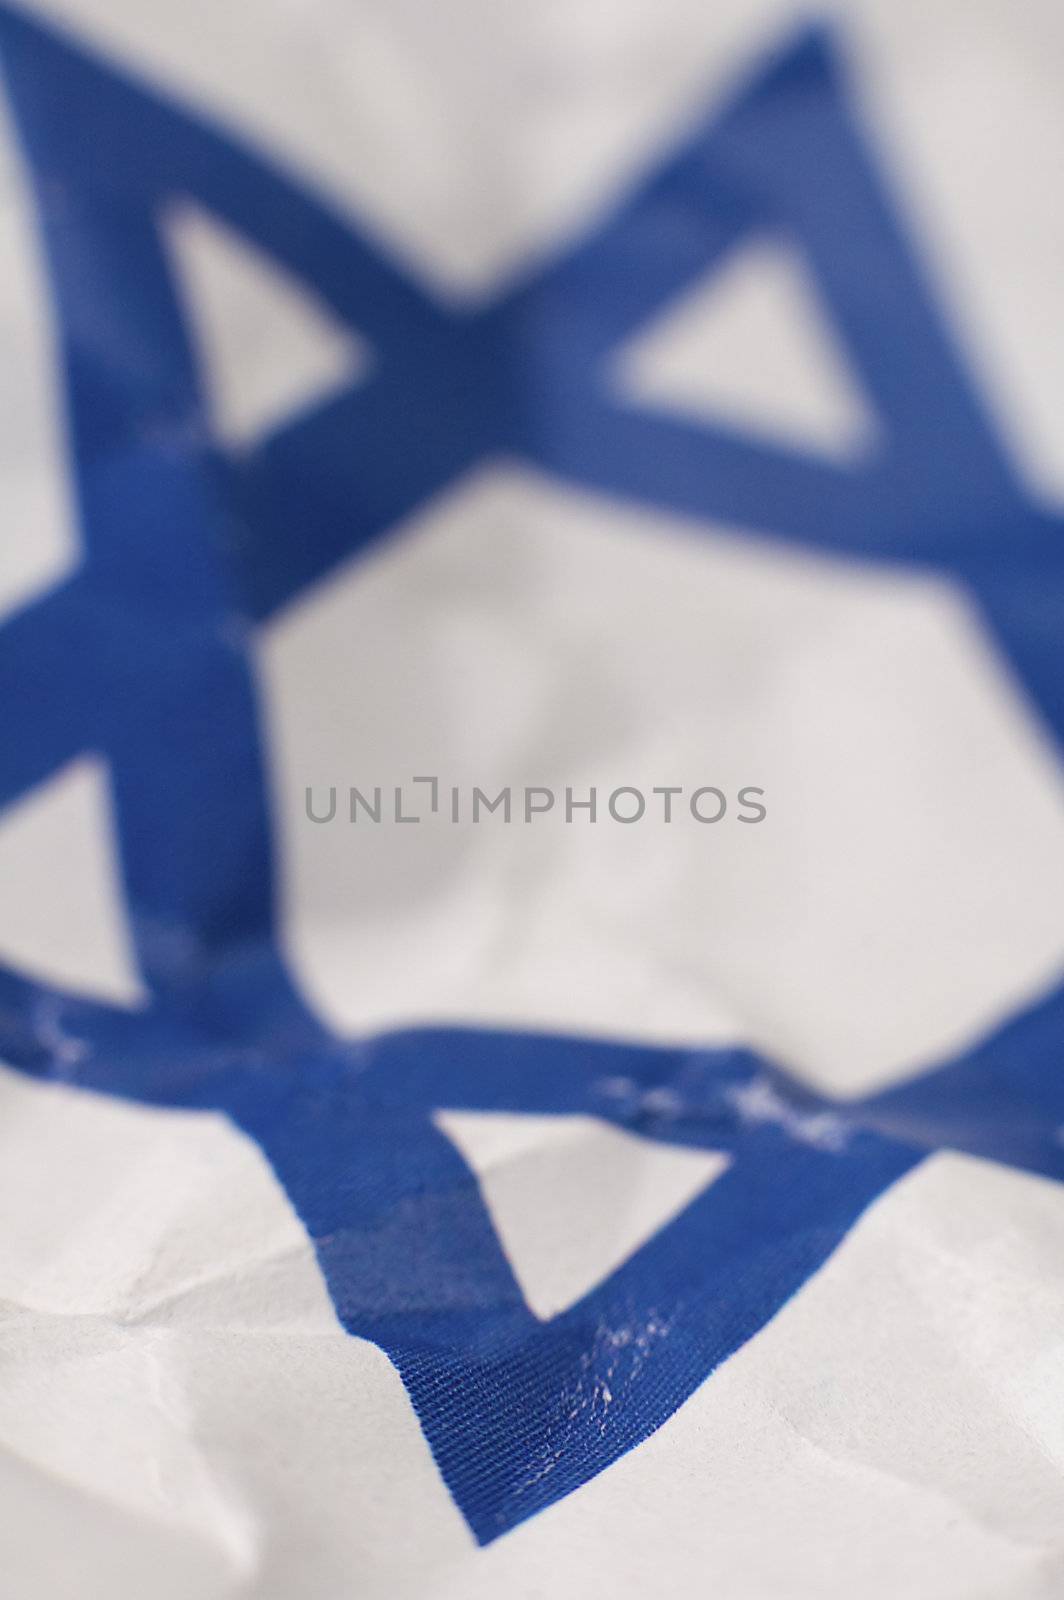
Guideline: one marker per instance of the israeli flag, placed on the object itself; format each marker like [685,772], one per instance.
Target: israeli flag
[531,805]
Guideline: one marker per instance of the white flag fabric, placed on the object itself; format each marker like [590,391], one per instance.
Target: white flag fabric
[531,807]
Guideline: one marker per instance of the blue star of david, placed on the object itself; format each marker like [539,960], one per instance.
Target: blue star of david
[143,654]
